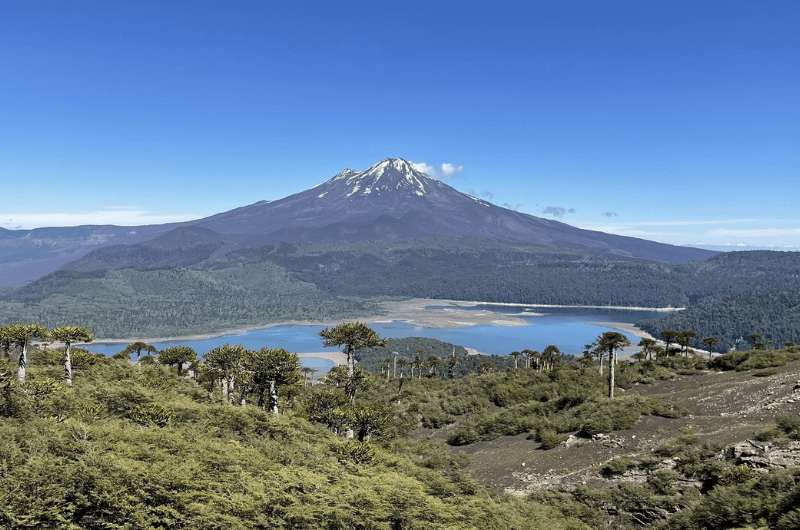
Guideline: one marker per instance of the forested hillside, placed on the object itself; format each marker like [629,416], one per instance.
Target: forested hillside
[427,356]
[774,314]
[164,302]
[201,288]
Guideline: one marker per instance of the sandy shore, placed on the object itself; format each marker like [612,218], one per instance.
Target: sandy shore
[338,358]
[627,328]
[636,332]
[554,306]
[453,313]
[425,312]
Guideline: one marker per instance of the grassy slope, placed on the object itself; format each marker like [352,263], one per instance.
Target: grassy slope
[93,457]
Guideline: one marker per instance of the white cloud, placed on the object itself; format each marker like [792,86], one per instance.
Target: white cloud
[768,232]
[557,211]
[751,233]
[444,171]
[448,169]
[424,167]
[116,215]
[690,222]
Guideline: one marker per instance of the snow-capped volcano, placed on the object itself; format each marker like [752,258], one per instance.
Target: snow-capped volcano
[387,176]
[389,201]
[392,177]
[392,200]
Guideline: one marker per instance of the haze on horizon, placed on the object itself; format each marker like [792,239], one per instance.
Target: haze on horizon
[677,123]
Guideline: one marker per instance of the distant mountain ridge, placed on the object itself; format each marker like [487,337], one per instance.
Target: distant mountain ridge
[389,201]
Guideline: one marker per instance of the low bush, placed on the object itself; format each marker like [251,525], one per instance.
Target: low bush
[548,438]
[754,359]
[617,466]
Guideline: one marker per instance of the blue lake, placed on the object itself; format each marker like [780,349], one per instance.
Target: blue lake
[568,328]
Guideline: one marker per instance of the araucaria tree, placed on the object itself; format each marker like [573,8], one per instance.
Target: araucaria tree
[669,336]
[69,335]
[138,347]
[369,421]
[22,335]
[177,356]
[611,341]
[273,368]
[710,343]
[648,347]
[685,339]
[352,336]
[551,357]
[226,360]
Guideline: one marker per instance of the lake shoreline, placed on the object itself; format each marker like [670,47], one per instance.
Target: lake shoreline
[425,312]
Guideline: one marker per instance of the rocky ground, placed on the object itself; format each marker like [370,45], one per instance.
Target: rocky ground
[728,408]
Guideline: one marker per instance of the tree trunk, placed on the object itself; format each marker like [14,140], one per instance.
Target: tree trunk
[22,368]
[351,365]
[231,389]
[68,364]
[180,368]
[273,398]
[224,386]
[601,365]
[515,363]
[612,360]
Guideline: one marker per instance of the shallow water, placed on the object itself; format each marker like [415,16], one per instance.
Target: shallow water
[568,328]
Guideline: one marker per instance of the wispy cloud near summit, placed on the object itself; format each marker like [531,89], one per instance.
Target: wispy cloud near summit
[557,211]
[444,171]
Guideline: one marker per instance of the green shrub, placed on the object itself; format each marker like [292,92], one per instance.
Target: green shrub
[790,426]
[355,452]
[82,359]
[596,425]
[617,466]
[765,373]
[789,520]
[436,420]
[663,481]
[754,360]
[465,435]
[549,438]
[151,414]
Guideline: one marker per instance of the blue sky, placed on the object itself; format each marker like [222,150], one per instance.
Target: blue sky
[676,121]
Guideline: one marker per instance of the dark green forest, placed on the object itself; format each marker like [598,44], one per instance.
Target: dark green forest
[204,288]
[164,302]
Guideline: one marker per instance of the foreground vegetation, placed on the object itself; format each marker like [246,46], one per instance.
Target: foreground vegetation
[139,447]
[239,439]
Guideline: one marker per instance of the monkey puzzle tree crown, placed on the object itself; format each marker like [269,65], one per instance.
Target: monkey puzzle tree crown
[352,335]
[71,334]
